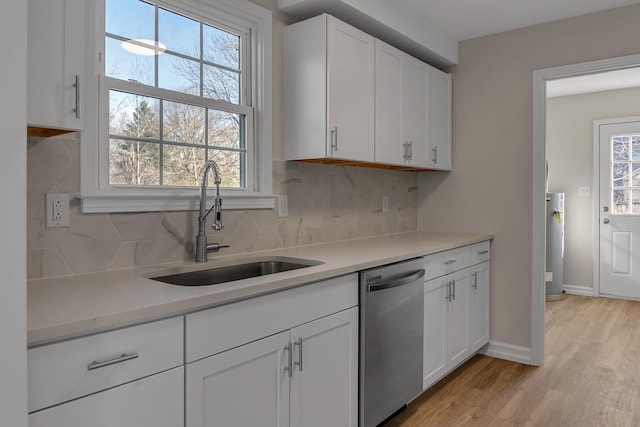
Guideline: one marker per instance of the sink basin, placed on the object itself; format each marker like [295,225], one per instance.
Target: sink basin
[246,270]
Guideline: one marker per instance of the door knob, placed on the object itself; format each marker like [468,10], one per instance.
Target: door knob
[605,209]
[605,221]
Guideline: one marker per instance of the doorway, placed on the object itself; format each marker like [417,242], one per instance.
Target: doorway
[540,79]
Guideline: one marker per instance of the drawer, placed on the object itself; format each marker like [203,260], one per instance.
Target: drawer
[219,329]
[67,370]
[156,401]
[446,262]
[480,252]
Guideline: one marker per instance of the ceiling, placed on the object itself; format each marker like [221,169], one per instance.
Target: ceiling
[467,19]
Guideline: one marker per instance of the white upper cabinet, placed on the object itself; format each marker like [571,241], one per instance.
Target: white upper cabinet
[328,91]
[348,96]
[55,53]
[402,108]
[440,118]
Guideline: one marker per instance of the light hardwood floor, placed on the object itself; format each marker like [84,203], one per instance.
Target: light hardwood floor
[591,376]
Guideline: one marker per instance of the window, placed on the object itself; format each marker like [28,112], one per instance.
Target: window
[180,83]
[625,174]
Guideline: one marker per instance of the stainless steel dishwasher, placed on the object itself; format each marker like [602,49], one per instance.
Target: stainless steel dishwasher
[391,334]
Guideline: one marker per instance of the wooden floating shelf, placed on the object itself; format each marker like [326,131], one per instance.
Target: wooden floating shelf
[341,162]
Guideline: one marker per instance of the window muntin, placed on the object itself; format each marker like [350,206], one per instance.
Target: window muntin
[181,104]
[625,174]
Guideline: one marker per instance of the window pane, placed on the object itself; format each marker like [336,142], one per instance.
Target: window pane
[133,162]
[179,33]
[635,206]
[183,123]
[123,65]
[620,148]
[179,74]
[131,19]
[133,115]
[225,129]
[229,163]
[620,172]
[221,84]
[183,165]
[620,201]
[221,47]
[635,145]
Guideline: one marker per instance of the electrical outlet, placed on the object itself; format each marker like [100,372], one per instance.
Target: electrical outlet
[385,203]
[57,210]
[283,206]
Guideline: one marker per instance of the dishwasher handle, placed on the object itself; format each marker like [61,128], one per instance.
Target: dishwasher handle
[397,282]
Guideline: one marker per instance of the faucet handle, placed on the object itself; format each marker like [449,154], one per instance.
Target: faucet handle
[215,247]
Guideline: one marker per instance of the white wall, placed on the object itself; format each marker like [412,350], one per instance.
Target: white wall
[490,188]
[569,151]
[13,163]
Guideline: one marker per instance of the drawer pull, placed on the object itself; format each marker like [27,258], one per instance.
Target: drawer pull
[122,358]
[451,261]
[486,251]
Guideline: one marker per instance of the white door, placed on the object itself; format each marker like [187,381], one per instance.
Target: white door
[619,145]
[245,386]
[324,382]
[350,92]
[479,306]
[435,331]
[458,317]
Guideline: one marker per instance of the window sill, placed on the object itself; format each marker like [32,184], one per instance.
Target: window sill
[180,201]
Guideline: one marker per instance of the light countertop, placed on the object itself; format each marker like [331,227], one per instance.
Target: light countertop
[69,306]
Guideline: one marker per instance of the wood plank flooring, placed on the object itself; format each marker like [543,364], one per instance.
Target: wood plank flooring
[591,376]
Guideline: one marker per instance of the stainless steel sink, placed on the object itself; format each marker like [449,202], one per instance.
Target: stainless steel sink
[246,270]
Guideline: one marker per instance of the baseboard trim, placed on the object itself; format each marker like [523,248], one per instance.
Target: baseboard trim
[514,353]
[579,290]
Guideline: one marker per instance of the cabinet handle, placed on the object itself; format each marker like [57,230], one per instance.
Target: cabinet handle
[453,285]
[434,159]
[288,348]
[334,138]
[405,154]
[410,150]
[451,261]
[77,86]
[122,358]
[299,362]
[475,280]
[449,296]
[486,251]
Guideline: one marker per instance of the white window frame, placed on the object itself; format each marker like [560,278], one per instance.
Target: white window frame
[98,196]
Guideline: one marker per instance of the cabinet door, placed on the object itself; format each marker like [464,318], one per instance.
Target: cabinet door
[440,122]
[435,310]
[245,386]
[458,317]
[401,116]
[324,384]
[350,92]
[415,114]
[479,303]
[55,55]
[389,93]
[155,401]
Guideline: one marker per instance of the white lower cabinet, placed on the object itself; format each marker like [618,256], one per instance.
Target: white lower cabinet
[126,377]
[456,309]
[156,401]
[302,377]
[305,375]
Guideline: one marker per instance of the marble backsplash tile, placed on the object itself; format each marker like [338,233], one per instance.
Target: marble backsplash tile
[326,203]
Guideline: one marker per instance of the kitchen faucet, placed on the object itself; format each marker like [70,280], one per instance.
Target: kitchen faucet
[202,248]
